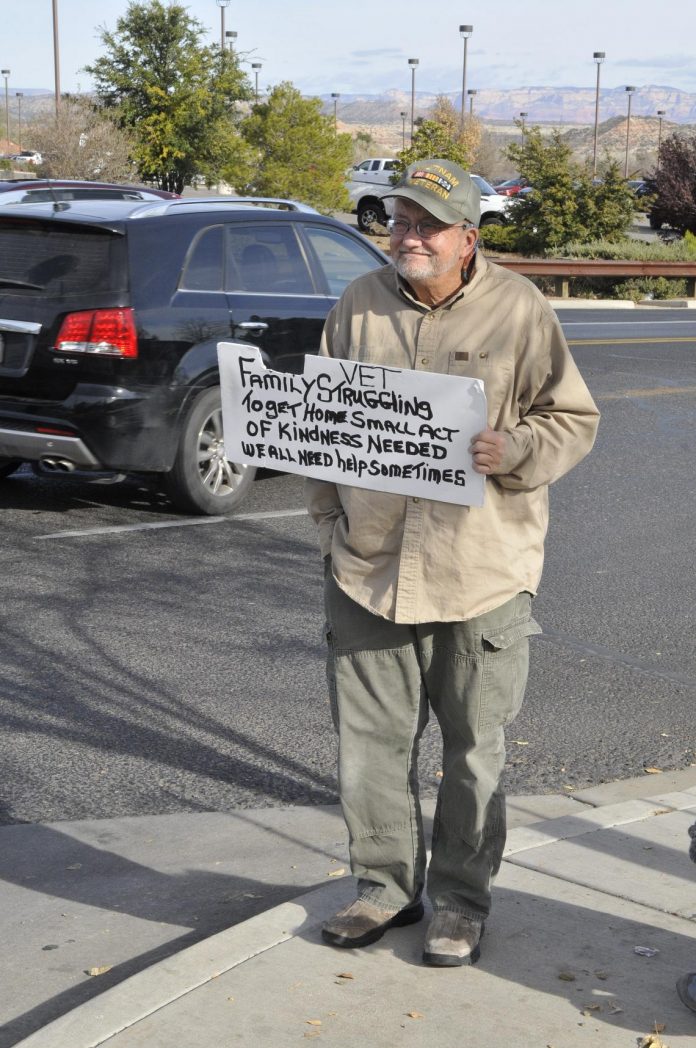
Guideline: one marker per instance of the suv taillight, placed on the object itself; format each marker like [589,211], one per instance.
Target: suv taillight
[106,332]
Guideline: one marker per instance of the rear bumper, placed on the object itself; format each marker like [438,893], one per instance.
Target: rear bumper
[103,427]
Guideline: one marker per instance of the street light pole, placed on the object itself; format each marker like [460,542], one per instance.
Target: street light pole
[335,95]
[471,92]
[6,73]
[465,32]
[56,56]
[630,89]
[403,116]
[660,114]
[256,66]
[599,57]
[19,95]
[222,4]
[230,37]
[523,116]
[413,62]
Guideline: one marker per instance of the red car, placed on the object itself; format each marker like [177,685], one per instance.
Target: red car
[44,190]
[512,186]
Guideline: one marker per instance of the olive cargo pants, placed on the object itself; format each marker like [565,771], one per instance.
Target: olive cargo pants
[383,678]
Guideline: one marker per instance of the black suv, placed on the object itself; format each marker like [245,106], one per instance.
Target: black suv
[110,315]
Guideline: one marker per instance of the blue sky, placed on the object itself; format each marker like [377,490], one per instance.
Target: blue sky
[363,46]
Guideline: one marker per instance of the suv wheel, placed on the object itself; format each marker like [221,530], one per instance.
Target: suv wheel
[8,466]
[371,214]
[202,480]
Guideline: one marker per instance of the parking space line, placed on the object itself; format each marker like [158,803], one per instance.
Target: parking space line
[182,522]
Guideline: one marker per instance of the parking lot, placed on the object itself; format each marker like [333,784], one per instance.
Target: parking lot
[157,663]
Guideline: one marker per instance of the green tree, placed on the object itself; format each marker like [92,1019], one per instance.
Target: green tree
[178,96]
[298,153]
[441,136]
[564,204]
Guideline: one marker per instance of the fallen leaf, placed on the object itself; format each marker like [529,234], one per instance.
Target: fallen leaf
[337,873]
[251,895]
[645,951]
[439,774]
[520,742]
[313,1022]
[566,976]
[615,1010]
[665,735]
[567,786]
[75,866]
[660,1027]
[602,975]
[100,971]
[653,771]
[345,975]
[587,1008]
[415,1015]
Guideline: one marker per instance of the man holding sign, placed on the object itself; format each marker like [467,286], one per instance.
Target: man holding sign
[429,603]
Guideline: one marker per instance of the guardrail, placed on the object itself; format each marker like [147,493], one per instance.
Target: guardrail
[563,269]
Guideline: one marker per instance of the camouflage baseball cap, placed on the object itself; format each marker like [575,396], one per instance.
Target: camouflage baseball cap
[444,189]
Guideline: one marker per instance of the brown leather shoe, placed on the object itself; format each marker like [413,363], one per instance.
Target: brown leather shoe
[452,940]
[361,923]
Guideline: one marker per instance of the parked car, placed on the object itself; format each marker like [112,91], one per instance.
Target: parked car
[511,186]
[110,315]
[373,211]
[49,190]
[27,156]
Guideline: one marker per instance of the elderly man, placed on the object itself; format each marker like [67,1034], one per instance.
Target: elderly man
[428,604]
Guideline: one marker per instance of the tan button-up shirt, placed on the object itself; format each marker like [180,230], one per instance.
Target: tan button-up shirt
[415,560]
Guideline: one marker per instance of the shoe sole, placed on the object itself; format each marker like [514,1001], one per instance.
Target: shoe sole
[451,960]
[411,915]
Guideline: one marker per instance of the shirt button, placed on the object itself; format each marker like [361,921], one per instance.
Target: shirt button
[425,360]
[415,500]
[483,356]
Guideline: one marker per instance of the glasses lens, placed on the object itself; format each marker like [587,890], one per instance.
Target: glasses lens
[399,226]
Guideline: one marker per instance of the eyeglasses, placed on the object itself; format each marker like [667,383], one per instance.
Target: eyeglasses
[426,230]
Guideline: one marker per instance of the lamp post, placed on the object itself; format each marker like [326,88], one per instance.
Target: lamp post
[471,92]
[523,116]
[222,4]
[6,73]
[19,95]
[256,66]
[335,95]
[403,114]
[599,57]
[629,90]
[56,56]
[413,62]
[465,32]
[660,114]
[231,38]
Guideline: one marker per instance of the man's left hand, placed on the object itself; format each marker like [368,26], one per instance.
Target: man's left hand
[488,450]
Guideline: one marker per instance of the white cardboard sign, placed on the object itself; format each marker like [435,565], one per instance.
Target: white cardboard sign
[388,429]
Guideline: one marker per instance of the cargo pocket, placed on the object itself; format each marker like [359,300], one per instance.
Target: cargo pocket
[505,670]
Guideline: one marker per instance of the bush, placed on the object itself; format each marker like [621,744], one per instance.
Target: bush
[640,250]
[500,238]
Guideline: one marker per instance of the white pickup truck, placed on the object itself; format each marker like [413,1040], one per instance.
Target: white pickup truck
[370,179]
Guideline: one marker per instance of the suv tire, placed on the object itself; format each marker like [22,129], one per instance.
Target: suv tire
[202,480]
[370,214]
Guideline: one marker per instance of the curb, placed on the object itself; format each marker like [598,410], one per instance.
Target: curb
[94,1022]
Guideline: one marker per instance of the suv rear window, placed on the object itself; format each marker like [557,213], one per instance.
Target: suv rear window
[60,261]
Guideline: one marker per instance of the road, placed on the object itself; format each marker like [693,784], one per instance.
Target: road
[154,663]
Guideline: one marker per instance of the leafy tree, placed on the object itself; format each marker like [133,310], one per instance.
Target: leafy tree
[442,135]
[82,142]
[298,153]
[178,96]
[675,183]
[564,204]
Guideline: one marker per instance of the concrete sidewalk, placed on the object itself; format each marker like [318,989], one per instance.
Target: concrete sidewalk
[586,880]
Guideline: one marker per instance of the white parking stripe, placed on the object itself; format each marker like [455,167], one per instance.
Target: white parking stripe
[183,522]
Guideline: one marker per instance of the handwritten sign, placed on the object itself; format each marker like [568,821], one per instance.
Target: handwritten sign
[388,429]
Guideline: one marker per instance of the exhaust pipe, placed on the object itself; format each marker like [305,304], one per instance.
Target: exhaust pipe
[57,465]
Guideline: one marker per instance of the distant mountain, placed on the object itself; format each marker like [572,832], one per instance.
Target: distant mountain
[555,105]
